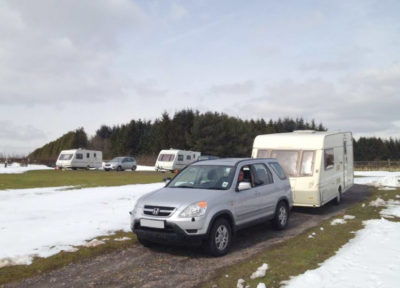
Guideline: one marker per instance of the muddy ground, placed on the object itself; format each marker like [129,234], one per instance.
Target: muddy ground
[183,266]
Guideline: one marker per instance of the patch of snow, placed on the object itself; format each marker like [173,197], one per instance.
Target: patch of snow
[322,228]
[363,205]
[378,202]
[145,168]
[392,209]
[397,196]
[43,221]
[261,285]
[338,221]
[240,283]
[260,271]
[122,239]
[370,259]
[386,188]
[94,243]
[349,217]
[378,178]
[16,168]
[226,276]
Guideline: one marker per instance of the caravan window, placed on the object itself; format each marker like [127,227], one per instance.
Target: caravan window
[87,155]
[188,157]
[288,160]
[79,156]
[263,153]
[180,157]
[166,157]
[65,157]
[329,159]
[307,163]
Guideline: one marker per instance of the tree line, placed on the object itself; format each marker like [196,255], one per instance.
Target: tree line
[211,133]
[376,149]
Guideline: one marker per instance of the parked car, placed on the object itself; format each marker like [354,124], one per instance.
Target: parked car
[120,164]
[207,157]
[79,158]
[319,164]
[210,200]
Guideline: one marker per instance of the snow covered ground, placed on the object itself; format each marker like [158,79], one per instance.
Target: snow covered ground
[145,168]
[44,221]
[378,178]
[372,258]
[15,168]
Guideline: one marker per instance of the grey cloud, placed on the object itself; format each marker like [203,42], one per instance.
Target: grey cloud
[326,66]
[62,51]
[364,102]
[240,88]
[149,88]
[9,131]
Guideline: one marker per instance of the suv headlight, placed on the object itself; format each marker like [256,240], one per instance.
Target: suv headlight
[194,210]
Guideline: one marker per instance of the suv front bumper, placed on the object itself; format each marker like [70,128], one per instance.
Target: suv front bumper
[172,233]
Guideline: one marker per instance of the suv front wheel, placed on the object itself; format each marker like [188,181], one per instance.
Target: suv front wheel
[281,218]
[220,237]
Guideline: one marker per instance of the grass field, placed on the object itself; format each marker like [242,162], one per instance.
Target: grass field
[301,253]
[83,178]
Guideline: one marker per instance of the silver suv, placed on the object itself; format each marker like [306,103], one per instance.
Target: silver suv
[210,200]
[120,164]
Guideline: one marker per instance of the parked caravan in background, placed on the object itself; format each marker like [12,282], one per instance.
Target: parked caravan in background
[173,159]
[319,164]
[79,158]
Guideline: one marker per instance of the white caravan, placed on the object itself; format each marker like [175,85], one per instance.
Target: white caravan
[319,164]
[174,159]
[80,158]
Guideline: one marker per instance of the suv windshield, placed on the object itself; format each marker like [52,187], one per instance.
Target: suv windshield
[204,177]
[116,159]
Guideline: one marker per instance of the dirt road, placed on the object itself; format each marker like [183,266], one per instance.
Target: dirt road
[179,266]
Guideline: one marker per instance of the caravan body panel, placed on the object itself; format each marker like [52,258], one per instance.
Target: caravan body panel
[80,158]
[319,164]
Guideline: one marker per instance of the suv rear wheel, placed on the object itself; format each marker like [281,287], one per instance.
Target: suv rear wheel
[281,218]
[220,237]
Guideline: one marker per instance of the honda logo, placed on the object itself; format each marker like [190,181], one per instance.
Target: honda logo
[156,211]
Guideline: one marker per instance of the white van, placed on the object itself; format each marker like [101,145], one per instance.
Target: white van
[174,159]
[319,164]
[79,158]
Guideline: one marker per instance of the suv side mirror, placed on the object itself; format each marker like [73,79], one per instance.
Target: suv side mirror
[244,186]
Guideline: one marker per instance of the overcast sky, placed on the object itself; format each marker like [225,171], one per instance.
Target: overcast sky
[83,63]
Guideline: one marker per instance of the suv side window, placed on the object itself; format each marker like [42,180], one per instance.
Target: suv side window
[278,170]
[261,175]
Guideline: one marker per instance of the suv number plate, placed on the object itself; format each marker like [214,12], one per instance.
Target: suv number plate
[152,223]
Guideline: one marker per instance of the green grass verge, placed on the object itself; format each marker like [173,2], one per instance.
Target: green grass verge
[41,265]
[299,254]
[83,178]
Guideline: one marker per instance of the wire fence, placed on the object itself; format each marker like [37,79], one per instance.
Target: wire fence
[376,165]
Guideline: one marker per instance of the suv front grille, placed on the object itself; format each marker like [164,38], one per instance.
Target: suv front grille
[158,210]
